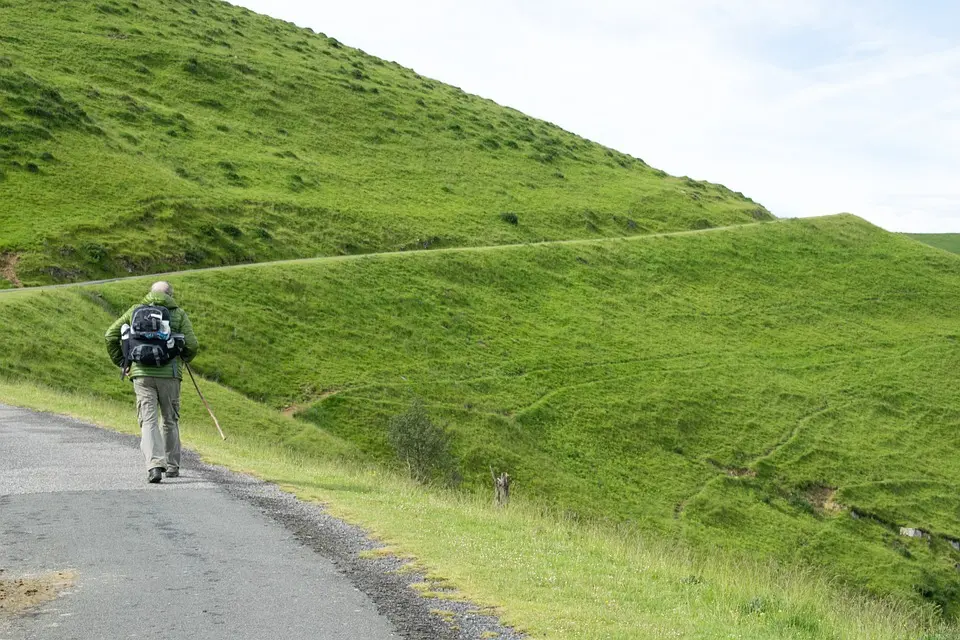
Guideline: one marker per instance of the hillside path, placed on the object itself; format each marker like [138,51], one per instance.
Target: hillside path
[393,254]
[182,559]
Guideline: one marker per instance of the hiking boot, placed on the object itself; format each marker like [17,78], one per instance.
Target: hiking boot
[172,473]
[155,475]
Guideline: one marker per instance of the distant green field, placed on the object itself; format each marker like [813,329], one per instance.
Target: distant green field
[148,136]
[786,390]
[947,241]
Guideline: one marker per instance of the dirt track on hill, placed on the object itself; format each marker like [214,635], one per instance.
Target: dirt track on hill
[390,254]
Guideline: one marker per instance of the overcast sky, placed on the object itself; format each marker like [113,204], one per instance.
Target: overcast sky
[810,107]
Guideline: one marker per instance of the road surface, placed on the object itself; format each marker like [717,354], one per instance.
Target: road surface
[182,559]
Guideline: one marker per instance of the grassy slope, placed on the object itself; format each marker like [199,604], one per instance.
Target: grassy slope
[946,241]
[546,575]
[149,136]
[719,386]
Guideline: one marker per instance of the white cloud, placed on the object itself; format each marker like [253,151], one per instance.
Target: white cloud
[809,107]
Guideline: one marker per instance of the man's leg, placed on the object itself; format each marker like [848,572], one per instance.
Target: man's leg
[169,395]
[151,444]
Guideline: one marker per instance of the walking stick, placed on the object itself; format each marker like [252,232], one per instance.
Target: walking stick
[200,393]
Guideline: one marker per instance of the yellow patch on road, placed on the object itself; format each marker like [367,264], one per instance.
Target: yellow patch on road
[17,594]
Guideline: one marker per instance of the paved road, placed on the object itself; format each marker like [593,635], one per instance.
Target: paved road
[183,559]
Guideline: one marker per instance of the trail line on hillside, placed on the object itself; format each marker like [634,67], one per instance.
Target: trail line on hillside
[393,254]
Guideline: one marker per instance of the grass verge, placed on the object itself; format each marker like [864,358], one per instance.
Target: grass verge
[546,575]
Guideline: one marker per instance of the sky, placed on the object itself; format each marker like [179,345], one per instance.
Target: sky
[810,108]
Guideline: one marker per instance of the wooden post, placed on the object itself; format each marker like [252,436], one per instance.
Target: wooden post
[501,486]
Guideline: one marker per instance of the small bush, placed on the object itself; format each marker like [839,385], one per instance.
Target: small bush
[422,445]
[510,218]
[211,104]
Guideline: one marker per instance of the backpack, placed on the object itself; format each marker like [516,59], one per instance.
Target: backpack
[148,339]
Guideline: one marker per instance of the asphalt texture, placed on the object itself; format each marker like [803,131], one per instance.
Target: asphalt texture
[211,554]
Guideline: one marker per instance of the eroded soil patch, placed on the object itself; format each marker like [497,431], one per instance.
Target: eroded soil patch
[18,594]
[8,268]
[822,499]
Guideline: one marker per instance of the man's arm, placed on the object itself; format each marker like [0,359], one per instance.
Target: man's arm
[190,343]
[112,337]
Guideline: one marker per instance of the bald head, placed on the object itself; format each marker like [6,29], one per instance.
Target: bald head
[162,287]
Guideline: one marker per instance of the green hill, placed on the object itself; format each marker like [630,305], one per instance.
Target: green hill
[946,241]
[785,389]
[146,136]
[776,389]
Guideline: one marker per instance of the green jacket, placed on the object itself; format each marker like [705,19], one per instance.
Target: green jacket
[179,323]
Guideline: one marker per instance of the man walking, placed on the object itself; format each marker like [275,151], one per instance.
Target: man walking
[147,339]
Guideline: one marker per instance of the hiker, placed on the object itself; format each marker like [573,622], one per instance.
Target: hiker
[145,343]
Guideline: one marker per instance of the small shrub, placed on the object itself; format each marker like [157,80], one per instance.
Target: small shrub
[32,168]
[231,230]
[194,255]
[97,252]
[421,102]
[236,179]
[421,444]
[509,217]
[756,606]
[111,10]
[211,104]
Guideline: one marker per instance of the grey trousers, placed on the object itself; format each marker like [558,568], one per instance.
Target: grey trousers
[159,440]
